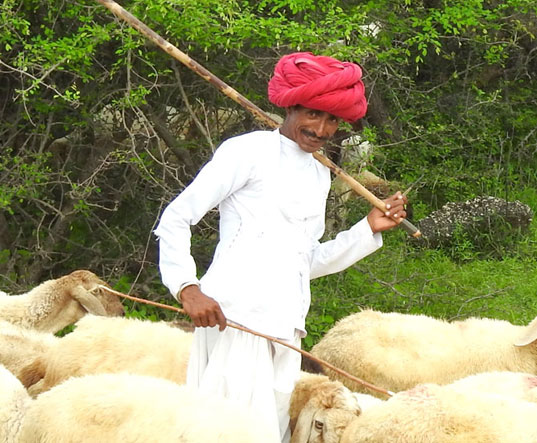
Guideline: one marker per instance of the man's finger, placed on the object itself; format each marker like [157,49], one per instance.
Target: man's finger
[211,319]
[221,320]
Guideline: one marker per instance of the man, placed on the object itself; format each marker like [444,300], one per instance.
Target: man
[271,194]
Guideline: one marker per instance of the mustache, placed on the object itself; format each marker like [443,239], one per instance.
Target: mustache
[313,135]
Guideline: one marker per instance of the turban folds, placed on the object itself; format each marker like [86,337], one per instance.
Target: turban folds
[319,82]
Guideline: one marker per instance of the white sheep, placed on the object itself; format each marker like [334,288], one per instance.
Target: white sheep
[112,344]
[123,408]
[20,347]
[57,303]
[440,414]
[322,409]
[398,351]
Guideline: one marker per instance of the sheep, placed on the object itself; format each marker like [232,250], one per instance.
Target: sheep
[322,409]
[20,347]
[112,344]
[123,407]
[398,351]
[440,414]
[57,303]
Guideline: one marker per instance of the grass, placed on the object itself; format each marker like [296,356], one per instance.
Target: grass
[402,278]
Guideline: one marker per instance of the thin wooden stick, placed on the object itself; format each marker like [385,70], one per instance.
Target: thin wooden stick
[262,116]
[268,337]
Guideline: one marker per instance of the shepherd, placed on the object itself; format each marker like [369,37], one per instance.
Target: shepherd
[271,195]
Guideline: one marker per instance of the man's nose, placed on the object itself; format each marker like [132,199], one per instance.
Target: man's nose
[321,129]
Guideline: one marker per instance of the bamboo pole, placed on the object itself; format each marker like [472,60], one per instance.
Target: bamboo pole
[259,334]
[259,114]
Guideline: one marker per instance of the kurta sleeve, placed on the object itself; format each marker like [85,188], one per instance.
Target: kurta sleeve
[228,171]
[344,250]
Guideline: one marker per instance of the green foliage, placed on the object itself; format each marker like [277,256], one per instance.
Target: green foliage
[68,329]
[23,179]
[427,282]
[100,129]
[143,312]
[499,240]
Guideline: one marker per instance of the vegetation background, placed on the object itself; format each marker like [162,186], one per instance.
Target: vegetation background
[100,129]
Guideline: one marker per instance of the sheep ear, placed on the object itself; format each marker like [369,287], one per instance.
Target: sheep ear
[33,373]
[302,430]
[529,335]
[88,301]
[37,388]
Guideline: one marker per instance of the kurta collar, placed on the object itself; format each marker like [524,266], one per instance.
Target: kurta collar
[291,150]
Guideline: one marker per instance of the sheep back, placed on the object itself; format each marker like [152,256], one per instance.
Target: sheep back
[119,408]
[512,384]
[439,414]
[398,351]
[115,344]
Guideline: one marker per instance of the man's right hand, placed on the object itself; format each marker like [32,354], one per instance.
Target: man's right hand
[203,310]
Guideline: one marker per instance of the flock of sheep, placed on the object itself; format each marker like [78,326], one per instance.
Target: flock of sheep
[118,379]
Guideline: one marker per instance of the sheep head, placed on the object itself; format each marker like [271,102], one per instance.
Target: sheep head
[320,410]
[85,289]
[65,300]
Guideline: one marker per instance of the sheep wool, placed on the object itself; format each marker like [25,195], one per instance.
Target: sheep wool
[398,351]
[113,344]
[439,414]
[119,408]
[512,384]
[14,402]
[20,347]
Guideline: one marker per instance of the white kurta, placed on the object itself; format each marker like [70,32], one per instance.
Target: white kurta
[272,200]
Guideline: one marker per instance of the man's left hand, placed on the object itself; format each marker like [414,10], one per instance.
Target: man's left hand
[395,213]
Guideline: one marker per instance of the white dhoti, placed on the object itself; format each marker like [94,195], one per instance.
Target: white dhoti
[248,369]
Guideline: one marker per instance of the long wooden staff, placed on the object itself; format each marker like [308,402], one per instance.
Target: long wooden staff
[244,102]
[259,334]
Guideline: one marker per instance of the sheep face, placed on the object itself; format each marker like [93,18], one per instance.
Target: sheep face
[320,410]
[90,284]
[323,426]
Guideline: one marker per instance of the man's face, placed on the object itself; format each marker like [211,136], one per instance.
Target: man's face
[310,128]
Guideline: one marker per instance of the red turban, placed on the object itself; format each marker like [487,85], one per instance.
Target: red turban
[319,82]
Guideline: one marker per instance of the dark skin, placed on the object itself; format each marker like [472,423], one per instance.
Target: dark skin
[310,129]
